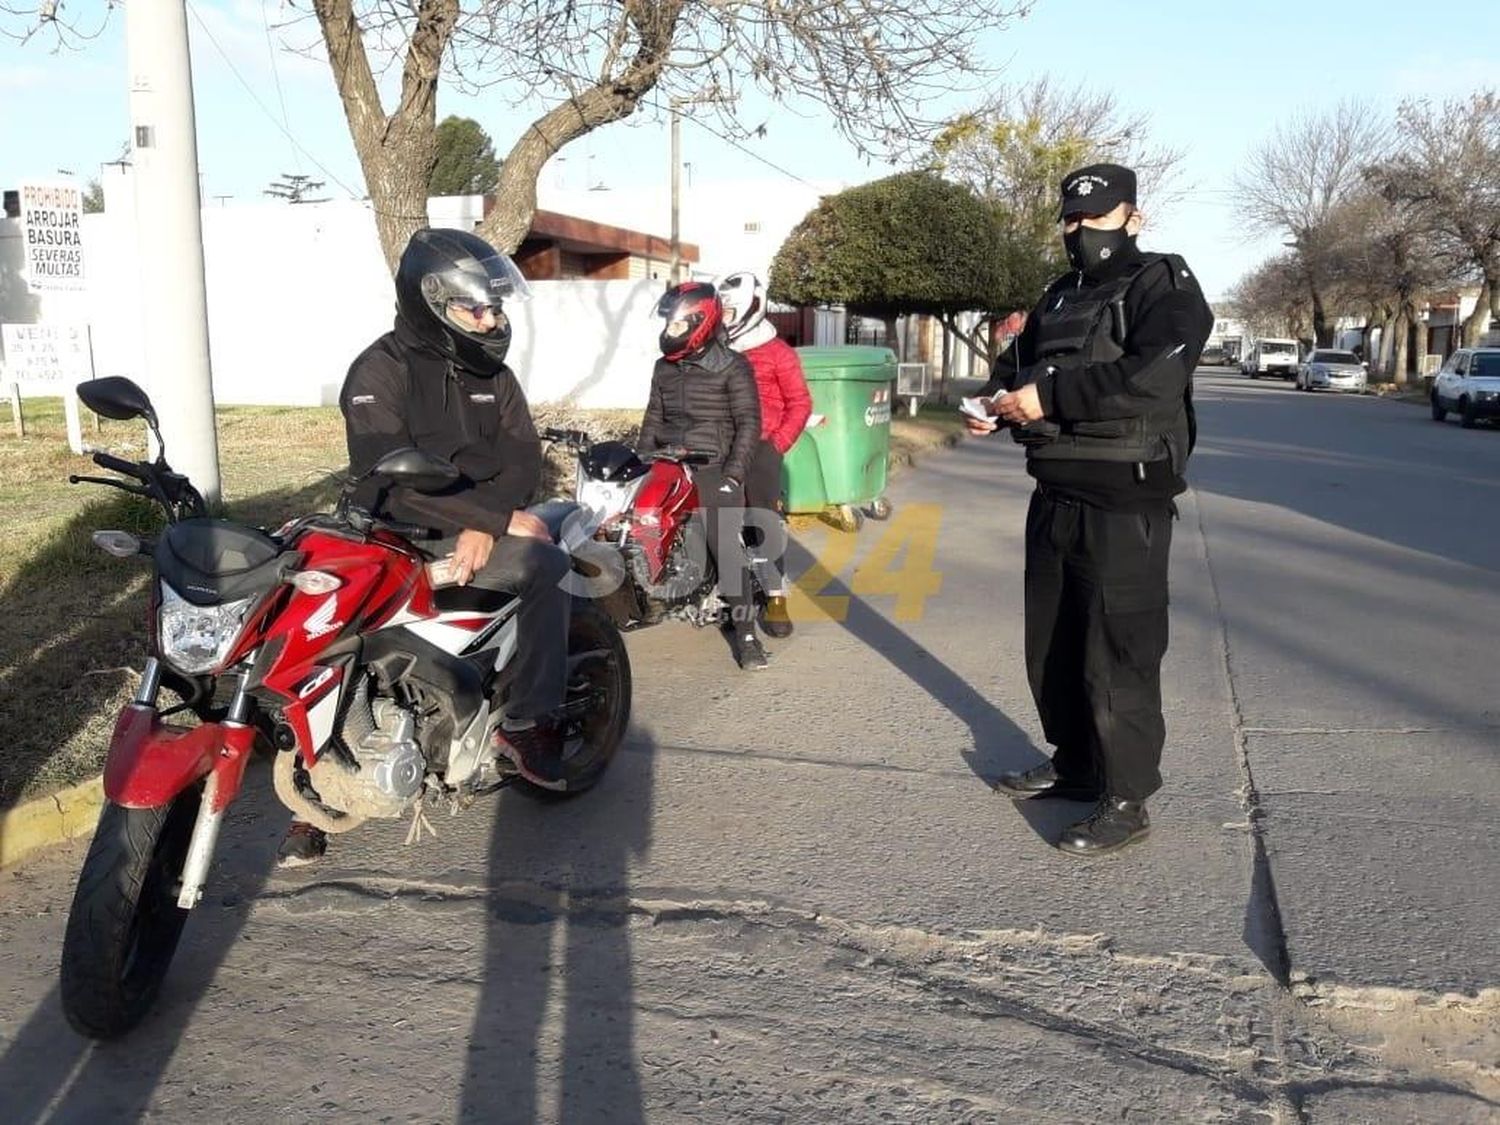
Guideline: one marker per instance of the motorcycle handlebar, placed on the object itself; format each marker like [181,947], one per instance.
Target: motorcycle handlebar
[566,437]
[407,530]
[118,465]
[682,453]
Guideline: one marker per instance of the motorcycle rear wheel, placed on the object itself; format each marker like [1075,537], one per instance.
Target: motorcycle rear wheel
[125,922]
[604,673]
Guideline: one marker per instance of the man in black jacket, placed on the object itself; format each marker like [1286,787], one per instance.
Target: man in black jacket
[439,382]
[1099,391]
[703,396]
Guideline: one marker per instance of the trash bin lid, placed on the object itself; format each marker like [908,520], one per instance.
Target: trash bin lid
[851,362]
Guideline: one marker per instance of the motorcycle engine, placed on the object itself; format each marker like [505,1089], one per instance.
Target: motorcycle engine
[686,572]
[388,767]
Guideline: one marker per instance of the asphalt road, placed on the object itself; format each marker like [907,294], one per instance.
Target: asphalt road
[795,897]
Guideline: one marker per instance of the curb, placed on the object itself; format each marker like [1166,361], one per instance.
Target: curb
[50,820]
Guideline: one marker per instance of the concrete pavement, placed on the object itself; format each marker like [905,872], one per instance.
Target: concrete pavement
[795,897]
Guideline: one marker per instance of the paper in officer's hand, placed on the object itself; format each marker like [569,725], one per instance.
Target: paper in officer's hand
[977,408]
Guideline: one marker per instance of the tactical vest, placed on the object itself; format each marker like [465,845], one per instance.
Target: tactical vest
[1081,326]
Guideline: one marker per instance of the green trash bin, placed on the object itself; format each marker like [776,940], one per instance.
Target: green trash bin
[838,465]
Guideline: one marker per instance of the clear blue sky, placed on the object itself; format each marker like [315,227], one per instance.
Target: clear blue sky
[1216,78]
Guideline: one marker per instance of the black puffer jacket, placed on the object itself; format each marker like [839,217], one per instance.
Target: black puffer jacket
[709,402]
[400,392]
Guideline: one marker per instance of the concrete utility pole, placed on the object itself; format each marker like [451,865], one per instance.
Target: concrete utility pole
[174,301]
[674,276]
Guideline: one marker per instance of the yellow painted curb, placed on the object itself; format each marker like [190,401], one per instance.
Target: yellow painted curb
[50,820]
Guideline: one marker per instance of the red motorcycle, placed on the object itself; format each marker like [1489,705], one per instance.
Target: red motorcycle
[332,644]
[647,508]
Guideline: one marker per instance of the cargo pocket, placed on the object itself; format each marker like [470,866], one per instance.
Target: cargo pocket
[1135,628]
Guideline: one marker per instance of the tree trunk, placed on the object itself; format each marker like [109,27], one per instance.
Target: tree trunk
[893,337]
[1479,319]
[612,99]
[396,152]
[943,372]
[1322,330]
[1399,333]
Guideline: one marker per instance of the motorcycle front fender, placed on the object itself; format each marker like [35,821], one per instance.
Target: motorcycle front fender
[150,763]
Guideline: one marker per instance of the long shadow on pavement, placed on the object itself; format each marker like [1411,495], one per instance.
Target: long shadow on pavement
[557,925]
[998,743]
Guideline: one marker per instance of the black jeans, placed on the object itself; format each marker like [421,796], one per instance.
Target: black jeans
[725,510]
[763,492]
[1096,632]
[533,569]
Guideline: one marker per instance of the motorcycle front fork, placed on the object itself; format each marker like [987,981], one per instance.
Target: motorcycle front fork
[211,807]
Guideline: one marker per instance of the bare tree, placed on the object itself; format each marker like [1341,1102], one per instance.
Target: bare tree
[1013,151]
[1385,261]
[1272,299]
[1298,179]
[1445,177]
[593,62]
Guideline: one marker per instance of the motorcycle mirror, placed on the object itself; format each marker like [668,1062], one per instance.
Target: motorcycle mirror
[412,468]
[120,399]
[117,398]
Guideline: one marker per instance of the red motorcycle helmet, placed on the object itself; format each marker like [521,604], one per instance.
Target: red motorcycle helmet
[693,314]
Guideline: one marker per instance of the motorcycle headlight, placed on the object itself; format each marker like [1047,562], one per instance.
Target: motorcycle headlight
[196,638]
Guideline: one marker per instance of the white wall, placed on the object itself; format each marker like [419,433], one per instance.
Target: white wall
[296,292]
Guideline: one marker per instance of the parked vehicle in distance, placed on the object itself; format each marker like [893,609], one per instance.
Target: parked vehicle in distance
[1468,385]
[1326,369]
[1271,357]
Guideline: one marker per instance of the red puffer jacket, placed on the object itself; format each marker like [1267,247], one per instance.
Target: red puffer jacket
[784,401]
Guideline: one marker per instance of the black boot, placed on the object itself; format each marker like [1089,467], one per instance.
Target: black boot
[1113,824]
[1042,781]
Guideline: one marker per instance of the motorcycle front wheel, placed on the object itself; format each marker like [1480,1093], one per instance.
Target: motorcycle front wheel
[125,922]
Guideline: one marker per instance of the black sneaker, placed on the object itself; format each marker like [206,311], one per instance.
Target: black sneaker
[302,844]
[537,752]
[748,653]
[774,620]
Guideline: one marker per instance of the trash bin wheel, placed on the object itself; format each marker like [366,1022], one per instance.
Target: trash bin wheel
[846,517]
[879,508]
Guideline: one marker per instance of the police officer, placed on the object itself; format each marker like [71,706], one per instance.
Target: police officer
[1098,389]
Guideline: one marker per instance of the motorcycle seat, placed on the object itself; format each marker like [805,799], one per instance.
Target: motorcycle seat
[470,599]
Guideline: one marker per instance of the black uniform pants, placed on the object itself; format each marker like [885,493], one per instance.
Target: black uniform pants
[534,569]
[1096,632]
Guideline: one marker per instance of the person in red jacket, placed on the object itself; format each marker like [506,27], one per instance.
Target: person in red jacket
[784,409]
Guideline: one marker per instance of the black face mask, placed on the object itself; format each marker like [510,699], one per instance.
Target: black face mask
[1090,250]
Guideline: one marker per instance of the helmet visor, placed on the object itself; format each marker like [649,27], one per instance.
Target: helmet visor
[474,283]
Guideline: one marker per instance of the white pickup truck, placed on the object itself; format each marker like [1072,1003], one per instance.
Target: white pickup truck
[1271,357]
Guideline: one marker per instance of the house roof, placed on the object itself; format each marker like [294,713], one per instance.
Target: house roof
[583,236]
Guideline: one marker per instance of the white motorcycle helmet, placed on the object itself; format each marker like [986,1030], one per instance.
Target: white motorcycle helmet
[744,299]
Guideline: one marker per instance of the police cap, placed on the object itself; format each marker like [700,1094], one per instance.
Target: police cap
[1096,190]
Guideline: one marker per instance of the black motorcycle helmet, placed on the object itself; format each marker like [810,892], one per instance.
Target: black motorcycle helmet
[447,274]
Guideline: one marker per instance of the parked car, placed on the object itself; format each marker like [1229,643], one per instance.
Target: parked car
[1270,357]
[1329,370]
[1469,385]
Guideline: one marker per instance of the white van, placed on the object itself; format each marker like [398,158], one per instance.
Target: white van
[1271,357]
